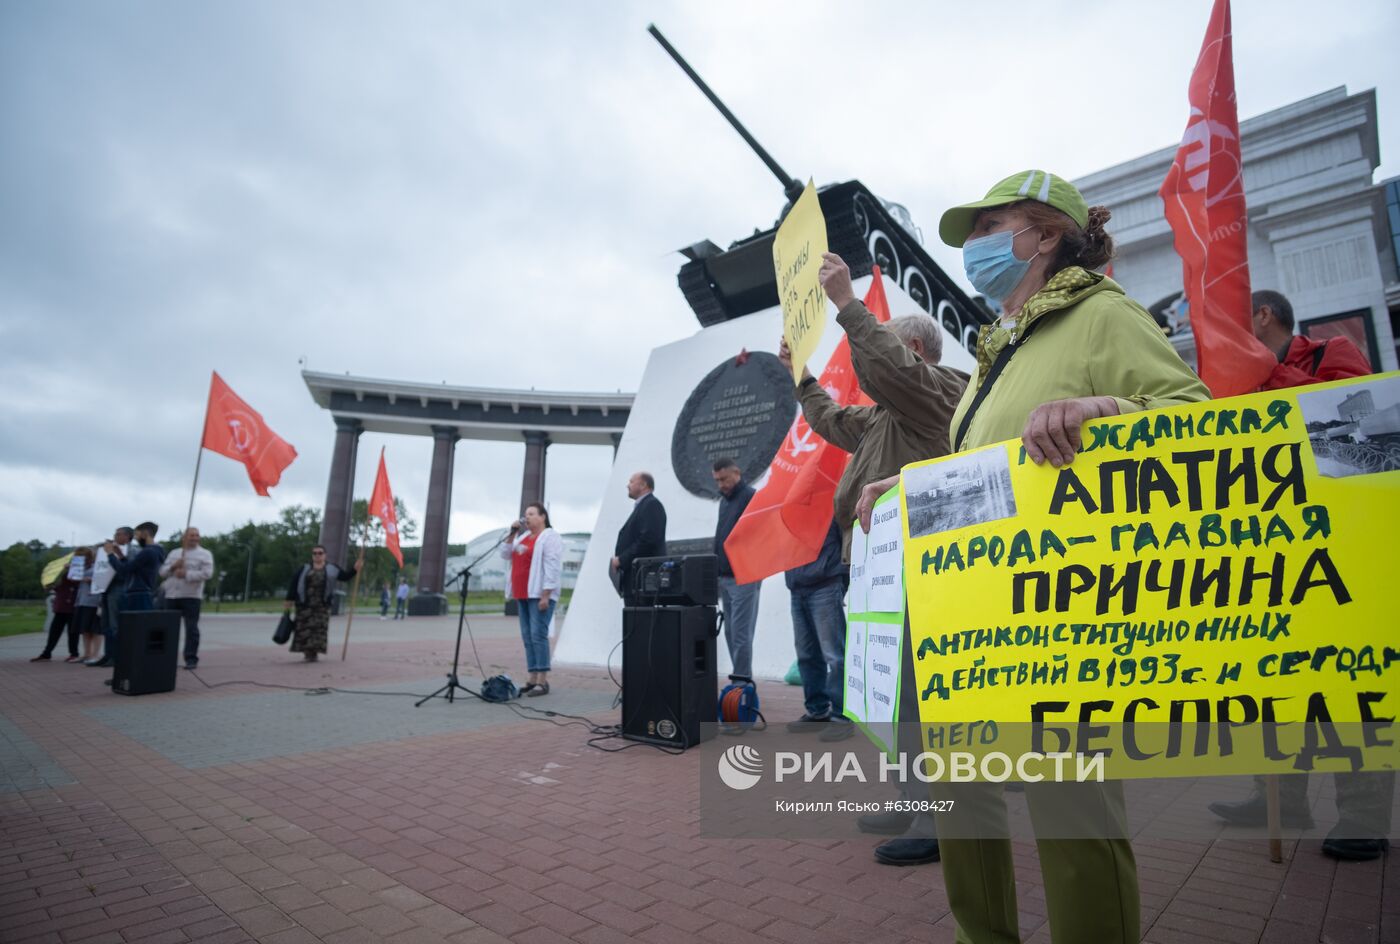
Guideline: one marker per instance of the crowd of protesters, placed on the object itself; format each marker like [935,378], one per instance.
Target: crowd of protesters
[1034,248]
[128,573]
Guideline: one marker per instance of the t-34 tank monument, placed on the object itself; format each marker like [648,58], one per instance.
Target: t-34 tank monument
[864,230]
[699,399]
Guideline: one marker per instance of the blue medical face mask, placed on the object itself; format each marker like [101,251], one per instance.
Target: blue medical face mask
[991,265]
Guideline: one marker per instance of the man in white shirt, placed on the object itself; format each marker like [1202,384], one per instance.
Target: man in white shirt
[185,570]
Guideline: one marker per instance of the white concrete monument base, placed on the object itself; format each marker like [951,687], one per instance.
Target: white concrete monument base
[592,628]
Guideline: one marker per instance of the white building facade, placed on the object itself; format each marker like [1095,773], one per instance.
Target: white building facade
[1319,228]
[491,572]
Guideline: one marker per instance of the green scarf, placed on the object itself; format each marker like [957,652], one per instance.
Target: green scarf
[1058,293]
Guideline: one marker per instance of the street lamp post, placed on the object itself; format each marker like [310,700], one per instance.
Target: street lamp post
[219,594]
[248,581]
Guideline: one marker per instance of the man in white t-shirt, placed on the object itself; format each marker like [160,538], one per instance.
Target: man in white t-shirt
[185,570]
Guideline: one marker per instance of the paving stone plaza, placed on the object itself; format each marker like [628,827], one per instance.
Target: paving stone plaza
[244,813]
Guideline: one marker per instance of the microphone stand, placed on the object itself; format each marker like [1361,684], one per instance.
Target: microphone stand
[449,690]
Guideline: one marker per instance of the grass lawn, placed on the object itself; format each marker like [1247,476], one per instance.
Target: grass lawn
[21,616]
[478,601]
[27,616]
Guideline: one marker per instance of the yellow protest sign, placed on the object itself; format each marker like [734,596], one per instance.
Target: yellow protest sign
[797,257]
[54,569]
[1205,589]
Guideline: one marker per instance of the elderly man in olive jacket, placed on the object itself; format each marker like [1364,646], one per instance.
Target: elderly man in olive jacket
[897,366]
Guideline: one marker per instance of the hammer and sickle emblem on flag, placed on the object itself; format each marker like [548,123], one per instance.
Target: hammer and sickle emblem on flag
[242,437]
[1203,141]
[800,443]
[242,430]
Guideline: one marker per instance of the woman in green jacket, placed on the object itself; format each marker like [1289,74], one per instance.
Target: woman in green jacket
[1079,349]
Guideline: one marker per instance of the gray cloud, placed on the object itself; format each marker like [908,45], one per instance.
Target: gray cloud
[459,192]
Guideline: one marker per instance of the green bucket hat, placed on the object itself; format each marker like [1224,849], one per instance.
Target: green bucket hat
[1040,185]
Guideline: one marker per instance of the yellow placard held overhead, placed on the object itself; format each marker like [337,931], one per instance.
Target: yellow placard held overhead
[1207,589]
[797,257]
[54,569]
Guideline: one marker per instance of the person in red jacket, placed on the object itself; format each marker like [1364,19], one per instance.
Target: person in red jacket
[1363,799]
[1301,360]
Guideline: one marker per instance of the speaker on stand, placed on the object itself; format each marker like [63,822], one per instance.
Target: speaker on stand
[669,624]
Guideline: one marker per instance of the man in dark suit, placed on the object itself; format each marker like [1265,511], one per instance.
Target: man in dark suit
[644,533]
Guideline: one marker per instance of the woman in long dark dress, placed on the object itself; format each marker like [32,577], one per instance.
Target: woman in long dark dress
[311,592]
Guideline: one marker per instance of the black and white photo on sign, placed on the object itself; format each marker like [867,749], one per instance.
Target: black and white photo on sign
[959,492]
[1354,429]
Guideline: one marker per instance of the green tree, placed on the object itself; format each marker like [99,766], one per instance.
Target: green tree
[275,549]
[380,566]
[233,551]
[52,553]
[284,545]
[19,573]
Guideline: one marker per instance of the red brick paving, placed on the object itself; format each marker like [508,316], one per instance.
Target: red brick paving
[435,839]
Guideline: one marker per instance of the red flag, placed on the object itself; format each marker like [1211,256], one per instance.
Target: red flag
[381,506]
[1204,199]
[787,520]
[232,428]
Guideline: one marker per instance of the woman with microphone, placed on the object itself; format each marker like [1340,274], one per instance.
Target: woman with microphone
[536,555]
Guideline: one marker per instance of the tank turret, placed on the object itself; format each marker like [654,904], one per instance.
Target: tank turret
[723,284]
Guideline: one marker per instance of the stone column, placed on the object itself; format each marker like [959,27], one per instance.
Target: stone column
[335,520]
[532,483]
[432,563]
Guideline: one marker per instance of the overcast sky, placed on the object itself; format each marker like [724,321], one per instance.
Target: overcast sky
[468,193]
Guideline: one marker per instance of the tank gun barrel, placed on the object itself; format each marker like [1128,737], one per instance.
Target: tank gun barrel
[791,187]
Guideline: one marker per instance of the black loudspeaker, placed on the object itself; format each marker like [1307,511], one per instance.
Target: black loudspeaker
[689,580]
[148,645]
[668,673]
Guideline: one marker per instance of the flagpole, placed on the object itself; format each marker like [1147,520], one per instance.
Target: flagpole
[354,592]
[198,458]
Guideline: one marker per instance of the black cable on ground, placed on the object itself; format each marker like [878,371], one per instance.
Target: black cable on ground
[599,732]
[595,743]
[314,690]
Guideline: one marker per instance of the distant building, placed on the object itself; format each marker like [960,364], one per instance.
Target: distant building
[1383,423]
[491,573]
[1320,230]
[1390,252]
[1356,406]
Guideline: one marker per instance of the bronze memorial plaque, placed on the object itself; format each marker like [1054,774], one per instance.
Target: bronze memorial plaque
[742,409]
